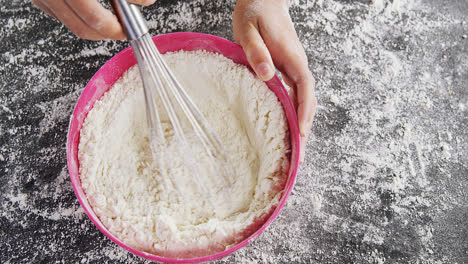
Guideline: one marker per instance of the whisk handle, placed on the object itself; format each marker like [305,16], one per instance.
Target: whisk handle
[130,18]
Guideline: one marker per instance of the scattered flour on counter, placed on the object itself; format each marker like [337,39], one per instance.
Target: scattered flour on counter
[352,202]
[128,193]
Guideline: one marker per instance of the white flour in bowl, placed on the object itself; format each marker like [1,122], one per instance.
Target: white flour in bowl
[127,192]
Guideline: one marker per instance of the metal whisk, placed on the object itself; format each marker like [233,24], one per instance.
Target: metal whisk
[161,87]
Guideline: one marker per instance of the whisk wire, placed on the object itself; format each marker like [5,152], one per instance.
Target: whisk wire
[163,86]
[152,82]
[156,134]
[212,145]
[159,80]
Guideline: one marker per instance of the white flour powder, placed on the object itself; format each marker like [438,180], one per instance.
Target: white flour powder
[129,195]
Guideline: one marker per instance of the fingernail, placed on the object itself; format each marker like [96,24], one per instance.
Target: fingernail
[264,71]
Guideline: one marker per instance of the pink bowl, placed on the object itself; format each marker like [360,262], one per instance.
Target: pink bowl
[114,68]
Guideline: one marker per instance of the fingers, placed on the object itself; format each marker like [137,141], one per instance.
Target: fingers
[269,30]
[306,107]
[68,17]
[142,2]
[88,19]
[100,19]
[302,83]
[305,104]
[255,49]
[44,8]
[289,57]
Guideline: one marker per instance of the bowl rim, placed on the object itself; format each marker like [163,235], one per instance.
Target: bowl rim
[106,77]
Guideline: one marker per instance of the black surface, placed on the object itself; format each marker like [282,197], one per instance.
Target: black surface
[43,69]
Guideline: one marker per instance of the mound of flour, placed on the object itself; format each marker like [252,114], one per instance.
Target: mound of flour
[135,203]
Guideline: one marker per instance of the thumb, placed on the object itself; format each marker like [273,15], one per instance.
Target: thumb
[256,51]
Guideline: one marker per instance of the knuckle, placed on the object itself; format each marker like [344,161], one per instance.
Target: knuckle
[308,79]
[115,35]
[113,31]
[248,43]
[255,49]
[95,21]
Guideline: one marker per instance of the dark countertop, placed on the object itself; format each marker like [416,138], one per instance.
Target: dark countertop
[386,173]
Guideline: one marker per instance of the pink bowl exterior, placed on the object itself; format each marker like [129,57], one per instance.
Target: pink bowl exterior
[103,80]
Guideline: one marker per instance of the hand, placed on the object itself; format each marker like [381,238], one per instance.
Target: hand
[265,31]
[88,19]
